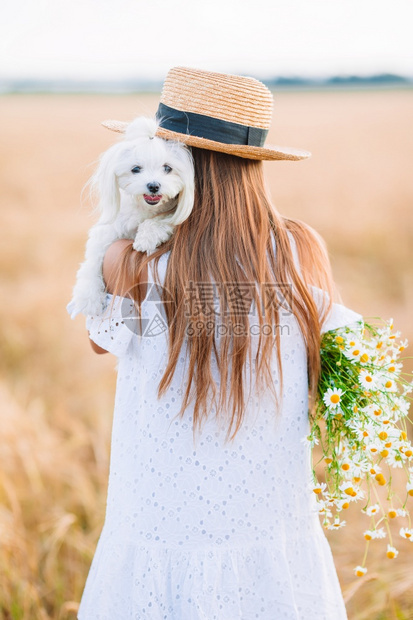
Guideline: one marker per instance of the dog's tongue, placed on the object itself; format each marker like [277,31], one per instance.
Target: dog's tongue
[152,200]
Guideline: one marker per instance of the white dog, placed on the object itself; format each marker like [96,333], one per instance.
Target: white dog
[138,181]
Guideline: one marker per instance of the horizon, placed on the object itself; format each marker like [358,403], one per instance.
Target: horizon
[127,85]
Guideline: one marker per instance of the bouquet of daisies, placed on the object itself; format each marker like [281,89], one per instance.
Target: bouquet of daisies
[360,424]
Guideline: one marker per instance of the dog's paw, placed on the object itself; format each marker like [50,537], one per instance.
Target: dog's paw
[91,305]
[151,234]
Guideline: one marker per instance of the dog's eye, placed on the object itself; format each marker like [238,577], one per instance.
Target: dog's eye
[167,169]
[136,169]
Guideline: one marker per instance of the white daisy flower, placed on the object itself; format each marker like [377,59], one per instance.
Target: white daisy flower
[388,384]
[362,430]
[332,398]
[407,533]
[374,534]
[354,350]
[318,488]
[373,448]
[351,491]
[322,508]
[360,467]
[373,510]
[392,367]
[391,552]
[342,504]
[367,379]
[360,571]
[337,524]
[375,469]
[310,440]
[402,345]
[394,459]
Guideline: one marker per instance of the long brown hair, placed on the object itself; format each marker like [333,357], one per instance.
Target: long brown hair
[229,237]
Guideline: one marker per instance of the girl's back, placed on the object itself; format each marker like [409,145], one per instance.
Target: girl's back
[196,526]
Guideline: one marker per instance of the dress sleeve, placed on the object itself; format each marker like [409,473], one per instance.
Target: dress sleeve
[338,316]
[113,329]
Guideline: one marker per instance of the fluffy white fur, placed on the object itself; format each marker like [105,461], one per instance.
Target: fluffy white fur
[125,214]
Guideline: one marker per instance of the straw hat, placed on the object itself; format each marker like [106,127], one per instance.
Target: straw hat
[218,112]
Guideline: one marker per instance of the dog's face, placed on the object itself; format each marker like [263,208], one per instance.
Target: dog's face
[158,174]
[151,171]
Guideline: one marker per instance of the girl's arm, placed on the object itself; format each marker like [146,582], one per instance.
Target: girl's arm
[111,263]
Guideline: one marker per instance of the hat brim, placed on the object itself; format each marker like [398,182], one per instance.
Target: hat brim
[269,153]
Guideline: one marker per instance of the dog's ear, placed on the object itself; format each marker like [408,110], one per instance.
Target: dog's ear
[104,182]
[186,196]
[185,205]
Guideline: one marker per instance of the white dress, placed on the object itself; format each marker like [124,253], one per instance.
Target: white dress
[212,530]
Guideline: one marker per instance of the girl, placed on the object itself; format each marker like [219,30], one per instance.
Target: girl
[210,513]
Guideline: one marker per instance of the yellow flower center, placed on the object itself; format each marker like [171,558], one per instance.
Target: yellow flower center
[317,491]
[367,536]
[391,554]
[388,384]
[339,339]
[345,505]
[349,491]
[379,345]
[392,514]
[407,534]
[335,398]
[364,358]
[356,352]
[408,453]
[392,368]
[403,436]
[359,573]
[377,412]
[328,460]
[384,453]
[383,435]
[345,466]
[410,492]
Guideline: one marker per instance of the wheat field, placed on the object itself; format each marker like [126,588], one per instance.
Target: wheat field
[57,395]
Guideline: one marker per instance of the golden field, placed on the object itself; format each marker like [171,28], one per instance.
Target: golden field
[57,395]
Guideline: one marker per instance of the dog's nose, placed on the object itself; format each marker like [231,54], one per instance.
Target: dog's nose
[153,187]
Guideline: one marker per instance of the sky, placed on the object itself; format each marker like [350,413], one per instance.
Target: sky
[118,39]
